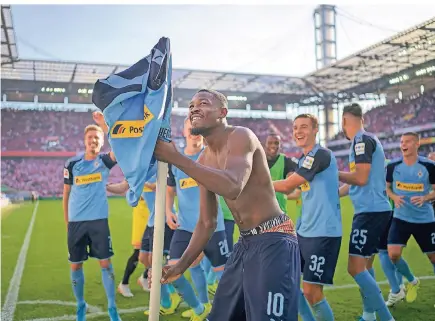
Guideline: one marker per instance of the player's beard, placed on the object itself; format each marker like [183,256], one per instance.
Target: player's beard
[200,131]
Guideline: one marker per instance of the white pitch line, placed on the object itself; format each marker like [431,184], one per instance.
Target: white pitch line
[354,285]
[91,308]
[183,304]
[14,287]
[98,314]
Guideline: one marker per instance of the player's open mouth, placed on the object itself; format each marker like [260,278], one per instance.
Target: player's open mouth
[195,118]
[404,150]
[299,138]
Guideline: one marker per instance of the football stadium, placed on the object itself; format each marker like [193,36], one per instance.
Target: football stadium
[46,105]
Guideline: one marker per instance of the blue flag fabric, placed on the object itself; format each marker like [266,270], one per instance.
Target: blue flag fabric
[136,104]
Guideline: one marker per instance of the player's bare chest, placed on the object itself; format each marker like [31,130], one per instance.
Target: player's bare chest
[217,160]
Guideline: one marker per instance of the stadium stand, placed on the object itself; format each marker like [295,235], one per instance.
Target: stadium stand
[46,104]
[46,131]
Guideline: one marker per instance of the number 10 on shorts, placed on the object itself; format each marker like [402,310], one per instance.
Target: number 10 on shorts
[275,304]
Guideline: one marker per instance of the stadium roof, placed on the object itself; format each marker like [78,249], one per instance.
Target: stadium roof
[9,46]
[406,49]
[88,73]
[400,52]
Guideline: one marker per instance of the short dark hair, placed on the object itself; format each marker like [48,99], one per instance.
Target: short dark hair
[353,109]
[314,120]
[413,134]
[273,134]
[216,95]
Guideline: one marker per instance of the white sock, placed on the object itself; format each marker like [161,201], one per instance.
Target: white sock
[414,282]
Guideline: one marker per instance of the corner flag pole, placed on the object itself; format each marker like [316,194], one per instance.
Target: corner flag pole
[159,231]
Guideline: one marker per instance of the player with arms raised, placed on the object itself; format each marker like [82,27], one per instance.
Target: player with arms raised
[86,211]
[261,277]
[411,185]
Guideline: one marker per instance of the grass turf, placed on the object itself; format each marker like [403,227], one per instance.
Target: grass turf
[46,273]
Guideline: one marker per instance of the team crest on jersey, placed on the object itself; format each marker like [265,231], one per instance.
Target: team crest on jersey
[308,162]
[360,149]
[420,174]
[65,173]
[96,164]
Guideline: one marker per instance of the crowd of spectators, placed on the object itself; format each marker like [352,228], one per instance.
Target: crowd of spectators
[44,175]
[30,130]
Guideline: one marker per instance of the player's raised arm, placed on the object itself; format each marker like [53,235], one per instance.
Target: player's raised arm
[363,150]
[228,182]
[99,119]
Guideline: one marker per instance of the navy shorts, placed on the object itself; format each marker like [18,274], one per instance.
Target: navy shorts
[148,237]
[367,230]
[229,231]
[216,249]
[319,256]
[261,280]
[383,242]
[89,238]
[424,234]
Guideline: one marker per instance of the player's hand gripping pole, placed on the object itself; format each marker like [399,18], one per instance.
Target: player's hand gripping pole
[159,231]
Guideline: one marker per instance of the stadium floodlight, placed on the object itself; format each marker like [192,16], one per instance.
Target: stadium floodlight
[158,239]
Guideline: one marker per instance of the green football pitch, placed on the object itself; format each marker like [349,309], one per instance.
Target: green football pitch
[36,283]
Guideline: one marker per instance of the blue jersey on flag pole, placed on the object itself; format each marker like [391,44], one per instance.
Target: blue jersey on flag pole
[136,104]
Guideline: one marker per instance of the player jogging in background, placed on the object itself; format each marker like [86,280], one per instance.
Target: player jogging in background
[262,276]
[86,212]
[411,185]
[367,191]
[280,166]
[216,250]
[169,299]
[319,228]
[139,222]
